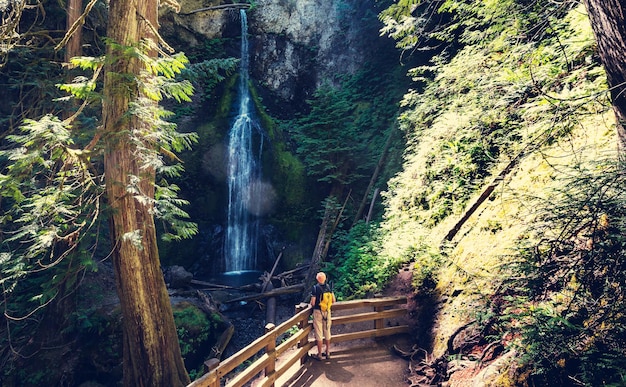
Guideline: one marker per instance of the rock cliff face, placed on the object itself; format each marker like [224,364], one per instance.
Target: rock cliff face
[296,44]
[302,43]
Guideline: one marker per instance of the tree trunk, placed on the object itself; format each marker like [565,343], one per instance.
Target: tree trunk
[73,47]
[379,166]
[608,21]
[152,354]
[332,217]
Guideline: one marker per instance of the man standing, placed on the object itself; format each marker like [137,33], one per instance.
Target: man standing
[321,319]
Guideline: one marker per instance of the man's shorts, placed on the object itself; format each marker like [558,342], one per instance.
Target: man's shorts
[321,325]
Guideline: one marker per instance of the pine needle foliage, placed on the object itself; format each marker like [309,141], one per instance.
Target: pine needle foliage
[340,138]
[358,267]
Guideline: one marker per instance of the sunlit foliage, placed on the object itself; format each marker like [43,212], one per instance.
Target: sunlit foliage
[513,97]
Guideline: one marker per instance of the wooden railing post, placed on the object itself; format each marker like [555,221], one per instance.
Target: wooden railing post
[301,325]
[270,350]
[379,323]
[211,364]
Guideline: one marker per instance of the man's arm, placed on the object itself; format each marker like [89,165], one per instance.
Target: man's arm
[313,301]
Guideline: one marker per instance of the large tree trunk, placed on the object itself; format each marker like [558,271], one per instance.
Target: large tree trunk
[152,354]
[608,20]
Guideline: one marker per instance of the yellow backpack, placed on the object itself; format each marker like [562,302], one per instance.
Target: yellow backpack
[326,298]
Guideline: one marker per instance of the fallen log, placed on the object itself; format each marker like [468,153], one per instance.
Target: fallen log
[208,306]
[292,272]
[268,279]
[218,349]
[219,7]
[210,285]
[276,292]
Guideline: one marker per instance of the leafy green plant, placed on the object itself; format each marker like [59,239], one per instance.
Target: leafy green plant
[52,204]
[207,74]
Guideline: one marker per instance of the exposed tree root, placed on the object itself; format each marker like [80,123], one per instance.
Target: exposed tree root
[466,346]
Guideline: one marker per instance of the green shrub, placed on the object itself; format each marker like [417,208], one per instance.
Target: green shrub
[358,264]
[566,298]
[195,329]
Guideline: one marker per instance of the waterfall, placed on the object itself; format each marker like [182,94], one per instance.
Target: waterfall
[240,246]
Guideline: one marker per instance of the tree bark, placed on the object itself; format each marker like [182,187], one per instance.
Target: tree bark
[152,354]
[73,47]
[608,21]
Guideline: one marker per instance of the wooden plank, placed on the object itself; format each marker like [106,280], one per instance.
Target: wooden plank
[286,365]
[256,367]
[379,323]
[270,349]
[300,316]
[244,354]
[214,377]
[368,316]
[370,302]
[372,333]
[293,340]
[250,372]
[207,380]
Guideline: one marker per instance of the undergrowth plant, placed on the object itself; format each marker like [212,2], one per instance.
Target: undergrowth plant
[565,296]
[197,333]
[358,267]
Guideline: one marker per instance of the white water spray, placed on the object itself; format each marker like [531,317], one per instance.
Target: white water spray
[240,246]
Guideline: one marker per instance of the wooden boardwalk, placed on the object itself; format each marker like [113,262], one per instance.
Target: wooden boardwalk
[364,332]
[360,363]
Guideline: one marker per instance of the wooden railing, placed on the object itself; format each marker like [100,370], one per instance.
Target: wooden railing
[274,343]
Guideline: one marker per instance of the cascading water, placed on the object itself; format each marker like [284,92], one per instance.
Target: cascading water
[240,246]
